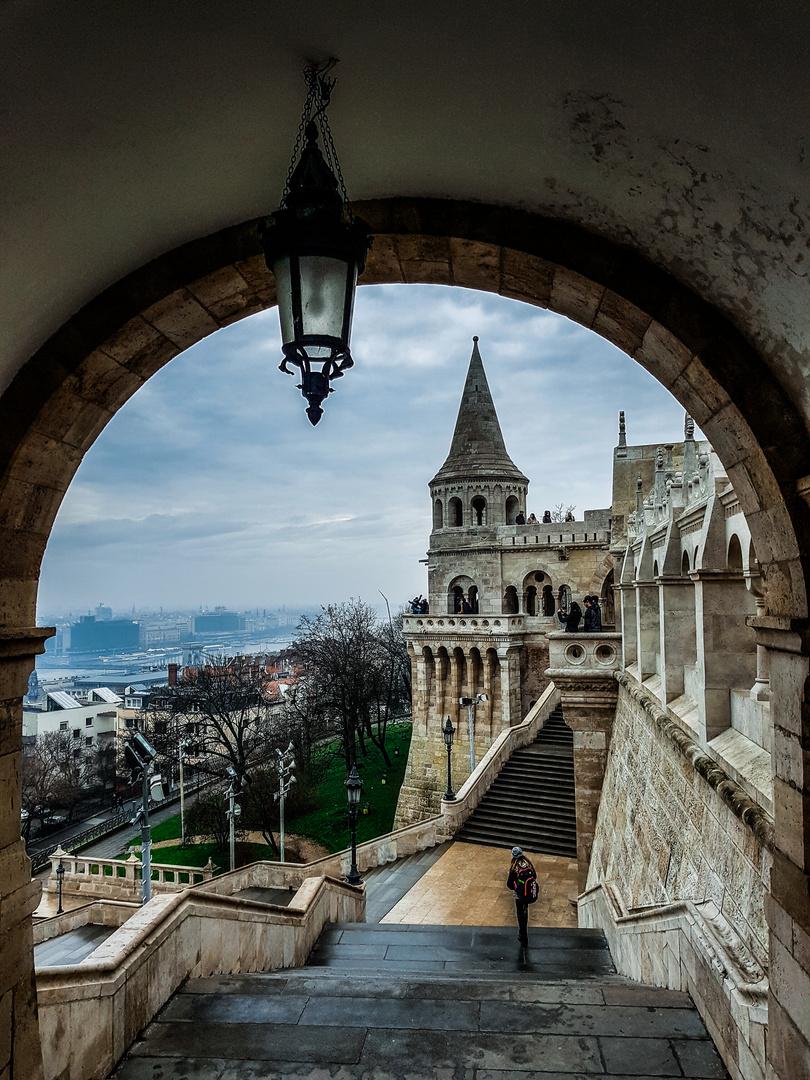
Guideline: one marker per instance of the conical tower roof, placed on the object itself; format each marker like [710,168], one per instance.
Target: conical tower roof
[478,449]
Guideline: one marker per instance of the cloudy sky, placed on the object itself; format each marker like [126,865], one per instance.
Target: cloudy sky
[211,487]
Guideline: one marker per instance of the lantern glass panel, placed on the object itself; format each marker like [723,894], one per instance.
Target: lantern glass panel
[323,294]
[281,270]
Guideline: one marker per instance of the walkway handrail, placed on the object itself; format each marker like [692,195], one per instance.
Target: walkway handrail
[474,788]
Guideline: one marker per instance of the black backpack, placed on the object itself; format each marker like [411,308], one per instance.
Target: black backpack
[526,887]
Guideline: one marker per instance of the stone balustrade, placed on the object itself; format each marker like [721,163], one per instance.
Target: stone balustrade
[496,624]
[119,878]
[582,655]
[90,1013]
[94,913]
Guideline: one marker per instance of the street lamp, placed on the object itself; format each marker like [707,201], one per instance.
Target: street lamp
[233,812]
[449,731]
[471,702]
[60,874]
[354,788]
[316,249]
[139,756]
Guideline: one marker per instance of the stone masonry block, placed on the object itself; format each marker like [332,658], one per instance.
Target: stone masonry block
[46,462]
[103,381]
[663,354]
[729,434]
[67,417]
[699,392]
[27,506]
[475,265]
[182,318]
[575,296]
[425,259]
[526,277]
[382,263]
[621,322]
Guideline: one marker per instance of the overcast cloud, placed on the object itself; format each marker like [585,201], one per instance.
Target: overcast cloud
[211,487]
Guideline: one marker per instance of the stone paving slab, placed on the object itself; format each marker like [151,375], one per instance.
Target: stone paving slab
[251,1042]
[427,1014]
[621,1020]
[72,947]
[235,1009]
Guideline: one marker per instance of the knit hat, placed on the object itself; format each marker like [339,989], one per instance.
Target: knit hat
[517,852]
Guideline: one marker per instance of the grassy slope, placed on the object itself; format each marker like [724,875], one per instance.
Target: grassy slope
[328,825]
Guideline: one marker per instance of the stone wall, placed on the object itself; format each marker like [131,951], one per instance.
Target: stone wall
[674,829]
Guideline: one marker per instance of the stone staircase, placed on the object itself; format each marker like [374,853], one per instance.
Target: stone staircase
[378,1002]
[531,801]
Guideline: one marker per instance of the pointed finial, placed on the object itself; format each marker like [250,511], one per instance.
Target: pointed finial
[688,427]
[622,430]
[639,482]
[659,458]
[475,338]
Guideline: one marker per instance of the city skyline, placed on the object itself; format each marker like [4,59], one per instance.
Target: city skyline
[210,487]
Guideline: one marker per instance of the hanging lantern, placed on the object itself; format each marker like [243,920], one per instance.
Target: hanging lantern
[316,249]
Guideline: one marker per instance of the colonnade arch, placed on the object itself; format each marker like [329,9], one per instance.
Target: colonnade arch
[67,392]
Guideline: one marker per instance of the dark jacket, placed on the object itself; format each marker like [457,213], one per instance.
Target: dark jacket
[571,620]
[593,619]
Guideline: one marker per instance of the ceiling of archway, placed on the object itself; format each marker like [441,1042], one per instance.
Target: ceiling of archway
[130,128]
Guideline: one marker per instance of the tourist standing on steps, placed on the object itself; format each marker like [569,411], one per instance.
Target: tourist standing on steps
[571,618]
[520,870]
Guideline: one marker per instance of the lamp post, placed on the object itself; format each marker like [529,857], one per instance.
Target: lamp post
[139,755]
[233,812]
[316,249]
[60,874]
[183,747]
[285,764]
[449,731]
[354,788]
[471,703]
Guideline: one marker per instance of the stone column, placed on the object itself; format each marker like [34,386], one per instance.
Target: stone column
[627,607]
[509,657]
[726,650]
[788,905]
[677,634]
[647,628]
[20,1054]
[582,668]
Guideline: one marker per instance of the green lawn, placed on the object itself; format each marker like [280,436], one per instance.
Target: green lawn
[329,824]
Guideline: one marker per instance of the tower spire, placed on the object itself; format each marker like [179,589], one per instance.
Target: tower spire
[477,448]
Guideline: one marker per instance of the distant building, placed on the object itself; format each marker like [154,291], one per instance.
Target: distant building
[85,724]
[221,622]
[88,635]
[103,614]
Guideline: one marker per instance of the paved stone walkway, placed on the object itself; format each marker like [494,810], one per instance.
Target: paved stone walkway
[71,948]
[430,1003]
[467,887]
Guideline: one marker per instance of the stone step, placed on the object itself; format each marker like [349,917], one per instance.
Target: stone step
[539,845]
[427,1003]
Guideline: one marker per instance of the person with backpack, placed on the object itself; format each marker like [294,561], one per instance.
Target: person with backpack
[523,881]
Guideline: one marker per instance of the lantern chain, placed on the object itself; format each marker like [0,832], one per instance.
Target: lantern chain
[319,92]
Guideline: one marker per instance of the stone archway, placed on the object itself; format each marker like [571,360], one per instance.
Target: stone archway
[64,396]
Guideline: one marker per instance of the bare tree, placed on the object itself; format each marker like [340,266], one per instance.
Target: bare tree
[353,675]
[560,513]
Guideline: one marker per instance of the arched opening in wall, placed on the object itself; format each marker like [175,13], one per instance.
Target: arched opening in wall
[532,592]
[438,516]
[479,509]
[666,348]
[565,598]
[531,600]
[734,558]
[685,564]
[608,600]
[548,605]
[512,509]
[455,513]
[462,594]
[511,604]
[475,672]
[655,568]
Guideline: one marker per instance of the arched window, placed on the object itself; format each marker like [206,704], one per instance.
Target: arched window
[685,563]
[462,597]
[548,600]
[531,600]
[512,508]
[455,515]
[510,601]
[565,598]
[655,568]
[472,599]
[479,508]
[456,605]
[438,514]
[735,559]
[608,600]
